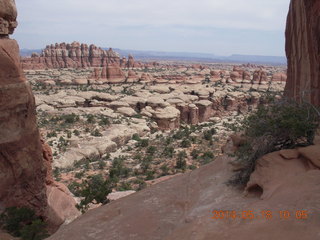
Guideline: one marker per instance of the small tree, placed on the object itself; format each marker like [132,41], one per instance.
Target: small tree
[93,190]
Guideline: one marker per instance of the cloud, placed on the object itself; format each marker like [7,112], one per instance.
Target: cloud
[103,18]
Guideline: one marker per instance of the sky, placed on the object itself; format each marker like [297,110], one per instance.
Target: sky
[221,27]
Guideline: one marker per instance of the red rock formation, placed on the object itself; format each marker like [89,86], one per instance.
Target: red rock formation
[246,75]
[132,77]
[235,76]
[22,170]
[215,74]
[115,74]
[25,164]
[259,76]
[110,73]
[8,15]
[131,63]
[279,77]
[302,49]
[74,55]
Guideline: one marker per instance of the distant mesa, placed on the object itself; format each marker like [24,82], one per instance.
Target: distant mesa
[106,64]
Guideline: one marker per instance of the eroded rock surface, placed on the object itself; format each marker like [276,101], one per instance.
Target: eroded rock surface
[25,164]
[302,49]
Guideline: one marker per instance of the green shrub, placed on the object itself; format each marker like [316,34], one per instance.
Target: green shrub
[93,190]
[151,150]
[136,137]
[52,134]
[195,153]
[96,133]
[185,143]
[124,186]
[69,134]
[79,175]
[165,169]
[168,151]
[104,121]
[150,175]
[70,118]
[181,160]
[34,231]
[23,222]
[102,164]
[118,169]
[90,118]
[143,143]
[207,157]
[76,132]
[282,124]
[207,135]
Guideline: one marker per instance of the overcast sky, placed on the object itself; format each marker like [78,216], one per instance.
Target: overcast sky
[221,27]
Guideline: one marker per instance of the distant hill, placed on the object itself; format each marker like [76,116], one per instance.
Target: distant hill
[203,57]
[187,56]
[27,52]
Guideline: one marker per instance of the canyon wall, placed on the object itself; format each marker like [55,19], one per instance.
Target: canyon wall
[25,161]
[302,49]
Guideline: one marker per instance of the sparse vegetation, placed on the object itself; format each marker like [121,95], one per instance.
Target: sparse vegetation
[282,124]
[94,189]
[23,222]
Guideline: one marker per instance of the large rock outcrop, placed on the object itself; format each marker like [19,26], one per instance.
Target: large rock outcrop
[74,55]
[22,171]
[302,49]
[25,161]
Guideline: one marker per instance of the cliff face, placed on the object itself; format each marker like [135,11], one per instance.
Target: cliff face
[25,162]
[22,173]
[302,49]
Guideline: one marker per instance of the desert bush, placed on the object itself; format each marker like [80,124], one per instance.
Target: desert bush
[118,169]
[76,132]
[151,150]
[165,169]
[90,118]
[143,143]
[282,124]
[52,134]
[150,175]
[207,135]
[124,186]
[181,160]
[70,118]
[136,137]
[93,190]
[23,222]
[168,151]
[195,153]
[207,157]
[96,133]
[185,143]
[104,121]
